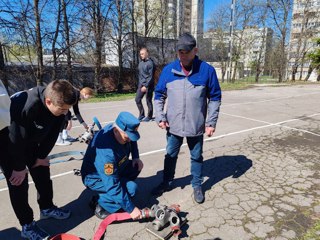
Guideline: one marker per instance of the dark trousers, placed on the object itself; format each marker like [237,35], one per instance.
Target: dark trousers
[139,96]
[19,194]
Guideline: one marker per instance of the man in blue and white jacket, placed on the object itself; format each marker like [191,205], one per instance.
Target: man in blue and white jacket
[193,96]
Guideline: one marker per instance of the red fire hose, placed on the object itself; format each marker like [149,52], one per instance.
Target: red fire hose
[108,220]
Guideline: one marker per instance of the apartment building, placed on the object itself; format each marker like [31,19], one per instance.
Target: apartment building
[158,24]
[250,44]
[305,27]
[169,18]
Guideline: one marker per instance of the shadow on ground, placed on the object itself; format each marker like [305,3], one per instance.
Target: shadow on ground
[80,212]
[215,169]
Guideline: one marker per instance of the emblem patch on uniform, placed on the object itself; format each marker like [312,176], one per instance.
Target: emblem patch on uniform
[108,168]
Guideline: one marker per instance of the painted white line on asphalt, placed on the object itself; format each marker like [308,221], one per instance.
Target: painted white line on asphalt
[52,177]
[269,100]
[220,136]
[279,124]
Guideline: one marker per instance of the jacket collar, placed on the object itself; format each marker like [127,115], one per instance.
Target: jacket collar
[177,68]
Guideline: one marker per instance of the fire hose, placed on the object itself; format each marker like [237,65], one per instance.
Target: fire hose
[163,215]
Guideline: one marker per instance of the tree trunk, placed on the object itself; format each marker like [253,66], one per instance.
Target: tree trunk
[68,47]
[310,69]
[119,45]
[3,76]
[98,31]
[294,72]
[258,71]
[39,75]
[54,41]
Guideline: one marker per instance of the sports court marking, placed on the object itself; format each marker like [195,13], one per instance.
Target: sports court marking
[270,100]
[267,124]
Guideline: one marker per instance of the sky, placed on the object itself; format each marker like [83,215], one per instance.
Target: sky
[209,6]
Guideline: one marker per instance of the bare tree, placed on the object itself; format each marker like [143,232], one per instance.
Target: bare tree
[54,41]
[261,56]
[280,12]
[245,19]
[38,43]
[218,25]
[94,25]
[67,40]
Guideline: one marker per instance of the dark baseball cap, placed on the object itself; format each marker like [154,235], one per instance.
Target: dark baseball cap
[186,42]
[129,124]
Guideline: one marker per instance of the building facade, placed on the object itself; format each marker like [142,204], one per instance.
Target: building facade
[169,18]
[305,27]
[251,45]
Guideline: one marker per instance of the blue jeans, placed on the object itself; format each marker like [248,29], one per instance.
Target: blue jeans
[195,145]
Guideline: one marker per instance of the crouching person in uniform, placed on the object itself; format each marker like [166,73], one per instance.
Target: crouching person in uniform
[106,167]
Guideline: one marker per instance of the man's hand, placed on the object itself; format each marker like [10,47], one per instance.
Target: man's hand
[143,89]
[163,125]
[210,131]
[84,124]
[135,214]
[138,162]
[41,162]
[17,177]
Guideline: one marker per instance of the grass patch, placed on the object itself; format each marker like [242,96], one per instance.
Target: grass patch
[240,84]
[312,233]
[234,86]
[108,97]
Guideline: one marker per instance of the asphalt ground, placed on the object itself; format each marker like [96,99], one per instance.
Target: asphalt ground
[261,172]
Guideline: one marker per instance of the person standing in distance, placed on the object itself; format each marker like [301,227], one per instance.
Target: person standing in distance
[146,84]
[194,97]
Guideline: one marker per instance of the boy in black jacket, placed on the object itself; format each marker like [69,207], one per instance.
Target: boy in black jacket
[36,118]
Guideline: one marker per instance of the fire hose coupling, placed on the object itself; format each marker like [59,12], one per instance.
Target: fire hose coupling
[166,216]
[87,136]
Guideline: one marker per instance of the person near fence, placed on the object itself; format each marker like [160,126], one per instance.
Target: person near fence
[145,85]
[36,118]
[194,97]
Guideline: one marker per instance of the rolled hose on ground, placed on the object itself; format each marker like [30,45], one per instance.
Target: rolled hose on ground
[145,213]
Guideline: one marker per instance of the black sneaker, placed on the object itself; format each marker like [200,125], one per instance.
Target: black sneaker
[198,195]
[100,212]
[54,212]
[161,188]
[33,232]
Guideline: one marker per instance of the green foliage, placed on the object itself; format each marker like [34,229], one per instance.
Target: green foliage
[314,56]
